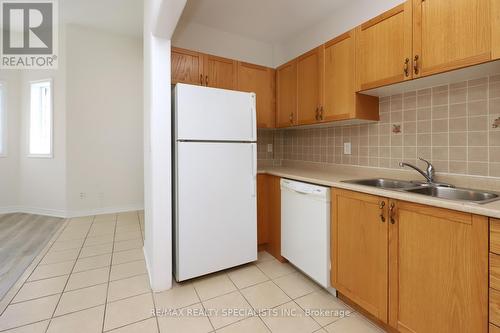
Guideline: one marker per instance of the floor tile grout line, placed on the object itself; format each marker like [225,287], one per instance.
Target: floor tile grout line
[48,250]
[248,302]
[109,275]
[203,306]
[135,322]
[56,235]
[65,285]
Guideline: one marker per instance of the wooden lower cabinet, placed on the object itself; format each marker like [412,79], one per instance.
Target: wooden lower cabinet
[359,249]
[438,270]
[417,268]
[269,214]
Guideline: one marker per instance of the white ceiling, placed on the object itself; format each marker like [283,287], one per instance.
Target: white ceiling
[263,20]
[118,16]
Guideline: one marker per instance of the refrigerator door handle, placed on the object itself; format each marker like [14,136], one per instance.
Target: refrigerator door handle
[254,170]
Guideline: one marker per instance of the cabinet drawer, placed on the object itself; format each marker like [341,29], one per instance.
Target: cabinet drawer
[495,236]
[495,271]
[495,307]
[494,329]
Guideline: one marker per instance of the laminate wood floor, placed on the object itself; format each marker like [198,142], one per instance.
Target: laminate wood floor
[22,237]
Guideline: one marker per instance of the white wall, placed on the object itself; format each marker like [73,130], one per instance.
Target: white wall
[340,21]
[160,19]
[9,164]
[42,181]
[104,121]
[201,38]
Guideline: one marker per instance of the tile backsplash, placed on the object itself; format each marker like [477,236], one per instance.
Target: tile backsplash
[456,127]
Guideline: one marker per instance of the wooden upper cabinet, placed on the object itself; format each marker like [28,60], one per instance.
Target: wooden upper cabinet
[438,270]
[187,66]
[495,29]
[449,35]
[359,251]
[384,48]
[286,94]
[340,102]
[220,72]
[260,80]
[310,86]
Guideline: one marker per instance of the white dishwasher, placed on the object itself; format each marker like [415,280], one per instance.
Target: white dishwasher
[305,228]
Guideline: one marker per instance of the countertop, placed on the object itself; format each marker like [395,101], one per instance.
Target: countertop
[333,177]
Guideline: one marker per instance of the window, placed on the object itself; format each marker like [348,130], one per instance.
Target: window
[40,129]
[3,121]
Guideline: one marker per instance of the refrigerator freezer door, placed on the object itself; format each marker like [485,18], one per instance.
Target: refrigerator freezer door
[210,114]
[216,219]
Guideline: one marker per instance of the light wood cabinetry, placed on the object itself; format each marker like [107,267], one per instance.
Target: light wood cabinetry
[262,211]
[207,70]
[449,35]
[187,66]
[495,29]
[340,102]
[269,214]
[359,238]
[414,267]
[286,94]
[261,81]
[202,69]
[310,86]
[384,48]
[220,72]
[495,236]
[494,329]
[438,263]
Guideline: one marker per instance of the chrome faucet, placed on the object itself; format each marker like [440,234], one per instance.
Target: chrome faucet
[428,173]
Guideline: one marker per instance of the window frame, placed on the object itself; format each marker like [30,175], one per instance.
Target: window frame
[3,119]
[51,154]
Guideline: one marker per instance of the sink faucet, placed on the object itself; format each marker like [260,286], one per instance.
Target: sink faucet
[428,173]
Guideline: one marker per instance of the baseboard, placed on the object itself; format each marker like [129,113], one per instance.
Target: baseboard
[105,210]
[34,211]
[69,214]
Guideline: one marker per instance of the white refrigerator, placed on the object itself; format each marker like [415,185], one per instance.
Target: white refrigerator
[215,170]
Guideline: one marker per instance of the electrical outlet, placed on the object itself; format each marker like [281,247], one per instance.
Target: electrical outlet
[83,195]
[269,147]
[347,148]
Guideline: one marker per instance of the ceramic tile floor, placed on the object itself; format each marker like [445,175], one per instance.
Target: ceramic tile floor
[93,279]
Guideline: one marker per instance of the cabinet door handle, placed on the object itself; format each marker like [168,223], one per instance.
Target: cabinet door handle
[407,67]
[381,207]
[317,113]
[415,64]
[321,113]
[206,80]
[391,213]
[291,117]
[201,79]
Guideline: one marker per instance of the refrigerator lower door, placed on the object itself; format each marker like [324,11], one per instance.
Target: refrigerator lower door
[215,211]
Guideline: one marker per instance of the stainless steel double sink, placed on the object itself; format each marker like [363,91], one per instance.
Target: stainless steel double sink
[432,190]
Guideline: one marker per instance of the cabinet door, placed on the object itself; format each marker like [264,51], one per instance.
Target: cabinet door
[310,86]
[359,249]
[438,270]
[384,48]
[187,66]
[339,82]
[449,35]
[220,72]
[495,29]
[286,94]
[262,210]
[274,216]
[260,80]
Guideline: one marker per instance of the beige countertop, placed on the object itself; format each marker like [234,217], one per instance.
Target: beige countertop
[333,176]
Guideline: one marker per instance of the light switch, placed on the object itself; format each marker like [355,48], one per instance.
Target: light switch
[347,148]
